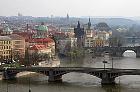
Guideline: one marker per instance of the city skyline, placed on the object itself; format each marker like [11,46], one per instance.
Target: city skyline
[75,8]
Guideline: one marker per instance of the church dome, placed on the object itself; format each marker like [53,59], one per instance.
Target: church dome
[7,29]
[42,27]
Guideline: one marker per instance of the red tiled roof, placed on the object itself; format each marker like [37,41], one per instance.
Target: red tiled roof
[37,47]
[41,40]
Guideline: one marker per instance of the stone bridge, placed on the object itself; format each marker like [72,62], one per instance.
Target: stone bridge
[54,74]
[114,51]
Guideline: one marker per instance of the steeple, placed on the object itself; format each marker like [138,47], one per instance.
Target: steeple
[78,25]
[89,24]
[67,16]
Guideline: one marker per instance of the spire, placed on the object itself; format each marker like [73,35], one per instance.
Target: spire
[67,16]
[78,25]
[89,24]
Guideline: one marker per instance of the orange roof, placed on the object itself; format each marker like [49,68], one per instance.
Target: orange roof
[37,47]
[41,40]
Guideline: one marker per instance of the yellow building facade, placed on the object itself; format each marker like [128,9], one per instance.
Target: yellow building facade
[98,42]
[5,47]
[11,46]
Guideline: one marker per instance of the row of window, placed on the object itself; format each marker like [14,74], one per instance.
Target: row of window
[17,42]
[5,47]
[89,41]
[5,42]
[7,52]
[6,57]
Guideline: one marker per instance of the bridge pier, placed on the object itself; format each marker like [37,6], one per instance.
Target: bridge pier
[106,79]
[119,54]
[54,78]
[138,54]
[98,54]
[6,75]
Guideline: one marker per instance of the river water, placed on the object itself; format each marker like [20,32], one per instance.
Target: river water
[80,82]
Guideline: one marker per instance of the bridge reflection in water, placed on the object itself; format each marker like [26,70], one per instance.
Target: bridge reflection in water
[106,75]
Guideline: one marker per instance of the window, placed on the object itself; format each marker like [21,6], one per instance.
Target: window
[17,42]
[9,42]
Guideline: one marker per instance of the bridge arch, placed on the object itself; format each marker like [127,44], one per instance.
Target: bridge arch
[129,53]
[125,78]
[80,74]
[22,73]
[74,77]
[14,74]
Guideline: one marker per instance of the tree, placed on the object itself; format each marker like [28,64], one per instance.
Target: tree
[116,41]
[26,58]
[35,58]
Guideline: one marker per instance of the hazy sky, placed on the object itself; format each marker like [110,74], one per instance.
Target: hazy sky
[72,7]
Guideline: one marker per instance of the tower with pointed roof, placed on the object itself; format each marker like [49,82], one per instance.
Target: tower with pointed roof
[68,17]
[79,34]
[88,30]
[89,24]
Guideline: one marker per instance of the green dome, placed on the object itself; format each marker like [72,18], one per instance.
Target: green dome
[42,28]
[7,29]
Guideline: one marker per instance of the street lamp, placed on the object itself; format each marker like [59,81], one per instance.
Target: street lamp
[112,62]
[104,63]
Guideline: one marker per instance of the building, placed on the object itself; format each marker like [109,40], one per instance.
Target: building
[68,31]
[47,42]
[6,31]
[5,47]
[98,42]
[18,45]
[65,45]
[98,37]
[41,31]
[79,34]
[103,35]
[40,49]
[90,36]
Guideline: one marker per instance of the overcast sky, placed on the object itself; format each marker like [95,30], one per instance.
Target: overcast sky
[76,8]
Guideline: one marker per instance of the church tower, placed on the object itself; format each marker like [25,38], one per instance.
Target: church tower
[89,24]
[79,34]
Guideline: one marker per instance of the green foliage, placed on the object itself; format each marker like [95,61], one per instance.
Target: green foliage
[76,52]
[14,64]
[116,41]
[26,59]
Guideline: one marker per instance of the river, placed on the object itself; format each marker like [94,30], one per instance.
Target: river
[79,82]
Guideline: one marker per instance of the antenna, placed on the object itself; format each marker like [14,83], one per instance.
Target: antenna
[7,86]
[29,83]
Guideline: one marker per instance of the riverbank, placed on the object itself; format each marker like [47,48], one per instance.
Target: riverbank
[51,63]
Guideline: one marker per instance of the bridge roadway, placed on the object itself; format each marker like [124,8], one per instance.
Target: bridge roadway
[54,74]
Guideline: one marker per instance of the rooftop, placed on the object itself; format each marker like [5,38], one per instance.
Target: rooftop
[4,38]
[37,47]
[41,40]
[42,28]
[15,37]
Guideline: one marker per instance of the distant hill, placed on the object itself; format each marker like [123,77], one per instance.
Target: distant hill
[111,21]
[114,21]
